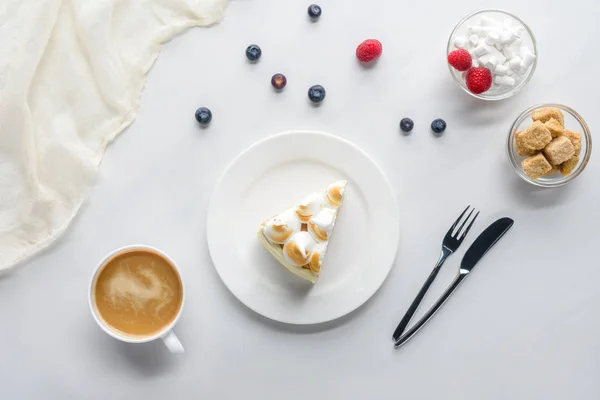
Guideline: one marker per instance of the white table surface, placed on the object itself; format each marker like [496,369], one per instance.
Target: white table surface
[522,327]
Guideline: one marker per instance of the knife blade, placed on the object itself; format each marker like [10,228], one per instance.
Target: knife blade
[484,242]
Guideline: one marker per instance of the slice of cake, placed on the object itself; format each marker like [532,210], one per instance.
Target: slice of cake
[298,237]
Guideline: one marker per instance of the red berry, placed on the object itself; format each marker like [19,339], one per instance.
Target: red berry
[460,59]
[478,80]
[369,50]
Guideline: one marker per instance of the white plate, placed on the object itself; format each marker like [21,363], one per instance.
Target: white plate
[273,175]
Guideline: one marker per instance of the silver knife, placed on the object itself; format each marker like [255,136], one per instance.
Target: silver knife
[478,249]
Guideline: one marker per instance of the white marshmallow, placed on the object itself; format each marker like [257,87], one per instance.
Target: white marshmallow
[497,45]
[460,42]
[506,38]
[523,70]
[491,63]
[492,38]
[501,69]
[524,50]
[518,31]
[497,55]
[476,30]
[484,59]
[515,63]
[487,21]
[488,30]
[528,59]
[481,50]
[504,80]
[509,53]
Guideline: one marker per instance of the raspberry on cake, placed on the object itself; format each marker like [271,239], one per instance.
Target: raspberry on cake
[298,237]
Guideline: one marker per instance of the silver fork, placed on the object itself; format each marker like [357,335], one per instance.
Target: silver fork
[450,244]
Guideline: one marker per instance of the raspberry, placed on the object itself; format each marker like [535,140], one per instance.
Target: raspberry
[460,59]
[369,50]
[478,80]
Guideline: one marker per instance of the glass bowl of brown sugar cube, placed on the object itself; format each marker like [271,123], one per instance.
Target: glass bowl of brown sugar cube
[549,145]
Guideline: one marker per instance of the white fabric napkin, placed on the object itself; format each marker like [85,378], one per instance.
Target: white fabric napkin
[71,74]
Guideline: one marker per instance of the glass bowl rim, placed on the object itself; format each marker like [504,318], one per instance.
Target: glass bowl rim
[510,145]
[514,90]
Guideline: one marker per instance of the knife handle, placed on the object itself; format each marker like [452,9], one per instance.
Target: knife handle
[430,313]
[417,301]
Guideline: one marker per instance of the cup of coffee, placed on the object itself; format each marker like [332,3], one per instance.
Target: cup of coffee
[136,295]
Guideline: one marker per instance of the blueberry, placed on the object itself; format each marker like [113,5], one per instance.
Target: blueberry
[279,81]
[314,11]
[316,93]
[438,125]
[203,115]
[253,52]
[406,125]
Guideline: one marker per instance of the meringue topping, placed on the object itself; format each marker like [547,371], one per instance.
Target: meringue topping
[298,238]
[316,259]
[298,249]
[309,206]
[320,225]
[280,228]
[335,193]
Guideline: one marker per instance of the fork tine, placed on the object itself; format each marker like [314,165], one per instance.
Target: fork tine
[468,227]
[457,221]
[463,224]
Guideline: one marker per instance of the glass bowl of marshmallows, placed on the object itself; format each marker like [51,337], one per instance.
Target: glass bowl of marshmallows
[549,145]
[502,50]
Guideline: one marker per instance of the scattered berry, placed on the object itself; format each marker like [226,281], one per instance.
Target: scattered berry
[314,11]
[406,125]
[253,52]
[478,79]
[438,125]
[279,81]
[203,115]
[369,50]
[316,93]
[460,59]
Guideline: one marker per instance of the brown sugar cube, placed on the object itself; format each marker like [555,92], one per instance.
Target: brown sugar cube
[555,169]
[544,114]
[555,127]
[575,138]
[568,166]
[536,137]
[521,149]
[559,150]
[536,166]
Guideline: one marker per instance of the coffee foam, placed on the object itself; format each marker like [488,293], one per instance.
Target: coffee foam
[129,290]
[138,292]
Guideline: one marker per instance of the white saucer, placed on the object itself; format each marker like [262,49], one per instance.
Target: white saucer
[273,175]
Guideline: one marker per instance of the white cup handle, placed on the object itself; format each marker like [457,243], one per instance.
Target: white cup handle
[172,343]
